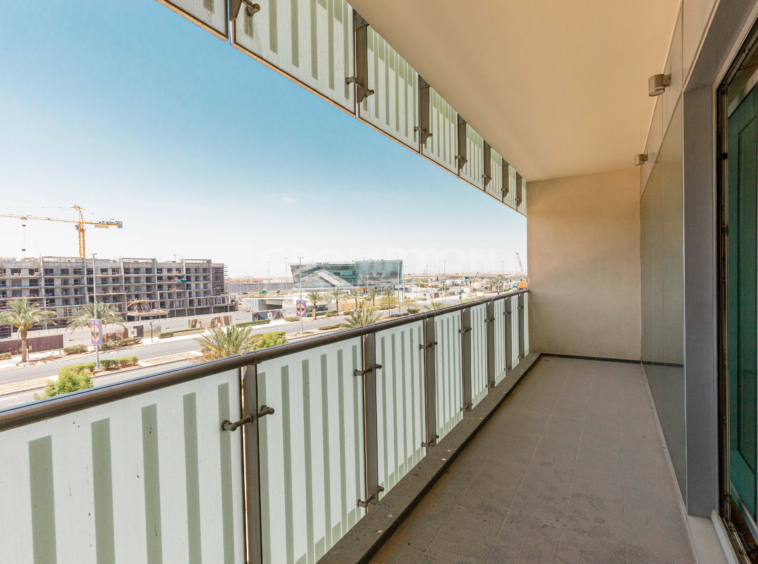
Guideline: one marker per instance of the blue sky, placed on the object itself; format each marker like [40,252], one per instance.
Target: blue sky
[134,113]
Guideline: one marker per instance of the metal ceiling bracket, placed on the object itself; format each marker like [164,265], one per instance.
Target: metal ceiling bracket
[235,5]
[487,176]
[423,111]
[462,156]
[361,60]
[519,188]
[506,179]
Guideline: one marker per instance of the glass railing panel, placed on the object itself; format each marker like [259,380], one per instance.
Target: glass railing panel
[208,14]
[514,330]
[499,323]
[495,185]
[510,197]
[473,170]
[311,451]
[393,108]
[442,146]
[526,323]
[148,478]
[448,377]
[310,42]
[478,353]
[522,206]
[400,402]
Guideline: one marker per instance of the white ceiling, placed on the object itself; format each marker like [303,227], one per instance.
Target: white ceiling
[558,87]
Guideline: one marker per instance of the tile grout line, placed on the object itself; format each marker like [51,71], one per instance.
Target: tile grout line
[571,487]
[507,513]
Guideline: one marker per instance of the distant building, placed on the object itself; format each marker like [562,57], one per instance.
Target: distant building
[137,288]
[359,274]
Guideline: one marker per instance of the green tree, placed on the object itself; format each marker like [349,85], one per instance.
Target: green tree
[315,298]
[105,313]
[269,340]
[355,294]
[23,316]
[371,295]
[361,317]
[336,294]
[220,343]
[389,297]
[70,379]
[435,304]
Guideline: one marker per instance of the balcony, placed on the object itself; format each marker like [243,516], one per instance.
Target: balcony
[528,460]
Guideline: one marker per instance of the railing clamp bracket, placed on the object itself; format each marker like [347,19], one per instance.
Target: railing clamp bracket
[229,426]
[357,372]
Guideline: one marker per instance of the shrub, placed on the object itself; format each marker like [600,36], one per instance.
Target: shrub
[167,334]
[291,319]
[70,379]
[121,343]
[111,363]
[5,356]
[329,313]
[267,340]
[256,322]
[329,327]
[76,349]
[413,310]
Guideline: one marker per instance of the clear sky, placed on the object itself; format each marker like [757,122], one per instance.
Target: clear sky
[132,112]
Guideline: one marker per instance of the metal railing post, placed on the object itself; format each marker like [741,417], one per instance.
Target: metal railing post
[251,460]
[430,384]
[371,441]
[508,333]
[466,356]
[491,344]
[521,347]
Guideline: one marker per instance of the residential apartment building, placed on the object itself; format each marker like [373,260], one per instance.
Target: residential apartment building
[138,288]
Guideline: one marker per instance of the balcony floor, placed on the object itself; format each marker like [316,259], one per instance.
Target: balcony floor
[571,468]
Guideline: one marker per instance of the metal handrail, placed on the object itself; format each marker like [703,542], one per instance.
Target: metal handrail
[26,414]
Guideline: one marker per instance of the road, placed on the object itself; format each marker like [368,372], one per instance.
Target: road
[149,351]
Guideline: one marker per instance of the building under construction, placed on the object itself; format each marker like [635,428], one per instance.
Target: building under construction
[138,288]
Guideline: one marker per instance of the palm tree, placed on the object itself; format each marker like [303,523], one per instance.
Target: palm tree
[389,295]
[439,304]
[105,313]
[23,316]
[220,343]
[361,318]
[355,294]
[336,294]
[315,299]
[371,295]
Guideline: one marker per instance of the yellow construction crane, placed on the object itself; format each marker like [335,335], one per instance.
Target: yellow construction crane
[80,223]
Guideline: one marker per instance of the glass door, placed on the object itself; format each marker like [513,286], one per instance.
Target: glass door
[742,265]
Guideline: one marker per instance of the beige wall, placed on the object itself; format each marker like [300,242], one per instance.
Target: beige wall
[584,265]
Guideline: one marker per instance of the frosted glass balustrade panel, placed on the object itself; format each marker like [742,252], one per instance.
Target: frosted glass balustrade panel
[510,198]
[211,15]
[495,185]
[310,41]
[514,331]
[478,353]
[526,323]
[400,402]
[522,206]
[311,451]
[499,340]
[442,146]
[473,170]
[393,108]
[448,376]
[148,478]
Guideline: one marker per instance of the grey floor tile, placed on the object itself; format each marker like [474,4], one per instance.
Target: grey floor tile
[599,462]
[656,525]
[467,536]
[574,409]
[526,541]
[578,547]
[395,551]
[649,471]
[596,508]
